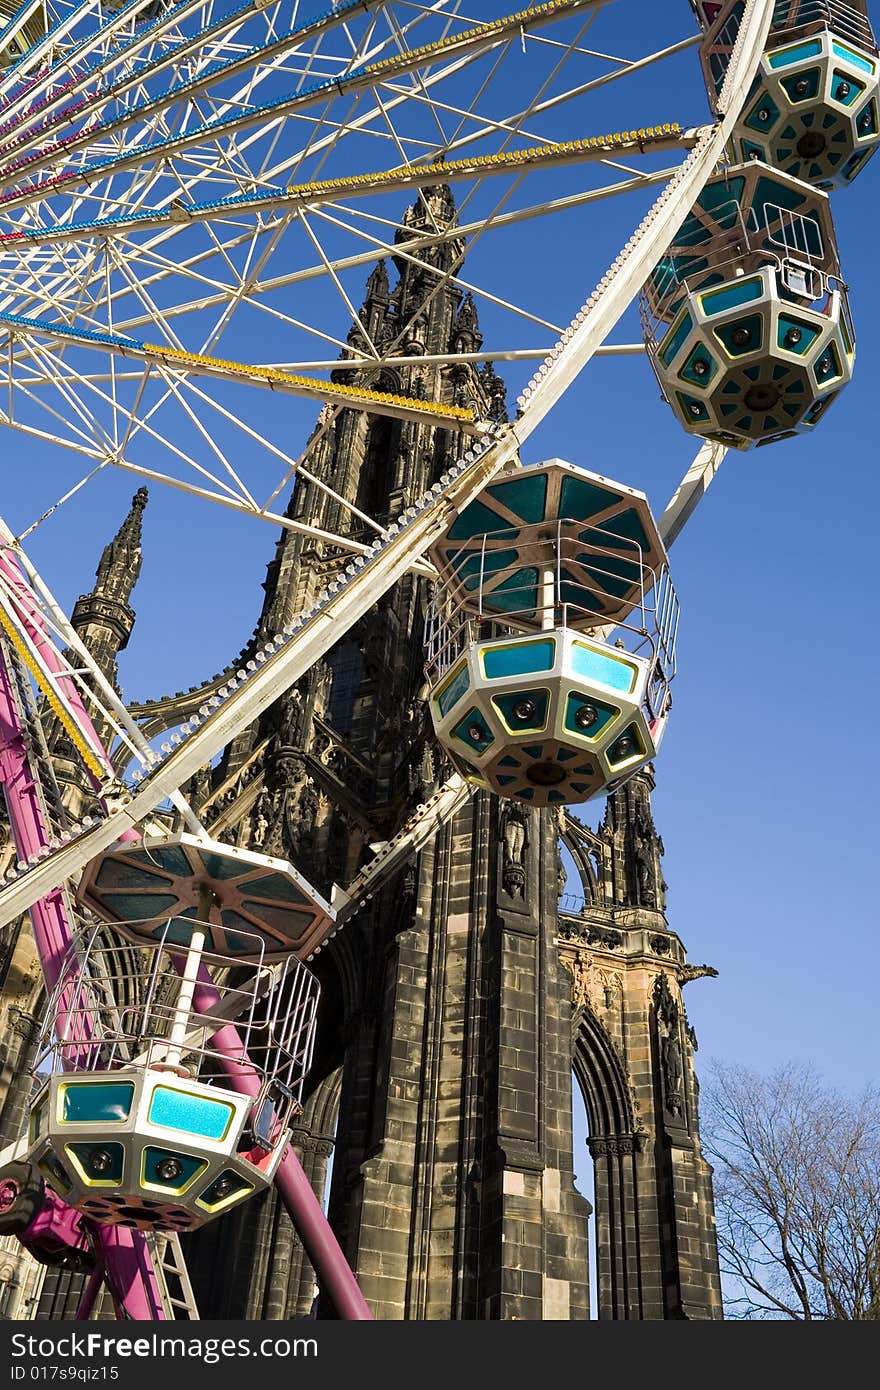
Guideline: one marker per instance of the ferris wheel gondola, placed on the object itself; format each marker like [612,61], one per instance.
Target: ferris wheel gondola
[154,161]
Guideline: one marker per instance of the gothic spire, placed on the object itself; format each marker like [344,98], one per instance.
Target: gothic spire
[377,284]
[120,564]
[466,335]
[434,208]
[104,618]
[433,213]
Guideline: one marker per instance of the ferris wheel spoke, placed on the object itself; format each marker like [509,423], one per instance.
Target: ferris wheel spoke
[691,490]
[203,364]
[464,48]
[168,224]
[138,268]
[305,640]
[324,192]
[172,45]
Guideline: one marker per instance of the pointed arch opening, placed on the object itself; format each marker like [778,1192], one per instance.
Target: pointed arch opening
[607,1125]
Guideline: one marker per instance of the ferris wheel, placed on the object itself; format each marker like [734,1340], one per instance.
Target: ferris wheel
[192,195]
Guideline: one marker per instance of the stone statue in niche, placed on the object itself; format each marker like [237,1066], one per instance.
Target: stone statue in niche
[581,982]
[644,870]
[673,1073]
[667,1009]
[290,723]
[671,1060]
[260,827]
[514,839]
[561,872]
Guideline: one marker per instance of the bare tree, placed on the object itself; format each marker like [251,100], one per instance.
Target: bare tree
[797,1190]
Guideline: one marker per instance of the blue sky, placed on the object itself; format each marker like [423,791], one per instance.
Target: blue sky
[766,795]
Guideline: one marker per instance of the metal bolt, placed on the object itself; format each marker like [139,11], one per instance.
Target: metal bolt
[843,91]
[222,1187]
[586,716]
[741,336]
[624,746]
[764,115]
[476,733]
[793,336]
[101,1161]
[524,710]
[168,1169]
[701,367]
[801,87]
[824,365]
[695,409]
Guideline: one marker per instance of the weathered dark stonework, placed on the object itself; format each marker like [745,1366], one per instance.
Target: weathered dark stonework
[459,1003]
[633,1058]
[458,1006]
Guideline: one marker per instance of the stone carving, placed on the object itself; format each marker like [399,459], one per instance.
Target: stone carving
[591,988]
[292,810]
[671,1060]
[291,719]
[612,987]
[591,935]
[673,1073]
[561,872]
[582,986]
[513,841]
[644,861]
[695,972]
[605,936]
[258,831]
[615,1146]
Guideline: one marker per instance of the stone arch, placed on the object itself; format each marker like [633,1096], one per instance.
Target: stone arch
[313,1136]
[585,848]
[602,1080]
[322,1107]
[615,1141]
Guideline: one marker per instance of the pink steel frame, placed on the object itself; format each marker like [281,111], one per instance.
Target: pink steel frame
[124,1259]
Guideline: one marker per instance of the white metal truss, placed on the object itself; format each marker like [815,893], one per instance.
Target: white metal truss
[178,188]
[79,282]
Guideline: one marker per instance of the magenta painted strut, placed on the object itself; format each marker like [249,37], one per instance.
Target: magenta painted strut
[126,1260]
[32,621]
[90,1294]
[334,1273]
[127,1263]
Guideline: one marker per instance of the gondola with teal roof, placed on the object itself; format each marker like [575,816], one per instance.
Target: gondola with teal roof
[812,111]
[746,319]
[551,638]
[139,1118]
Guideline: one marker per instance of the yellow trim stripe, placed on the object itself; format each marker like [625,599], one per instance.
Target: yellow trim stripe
[69,725]
[328,390]
[645,136]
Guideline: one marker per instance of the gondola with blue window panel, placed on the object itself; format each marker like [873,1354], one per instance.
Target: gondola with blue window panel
[746,318]
[551,639]
[137,1119]
[812,111]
